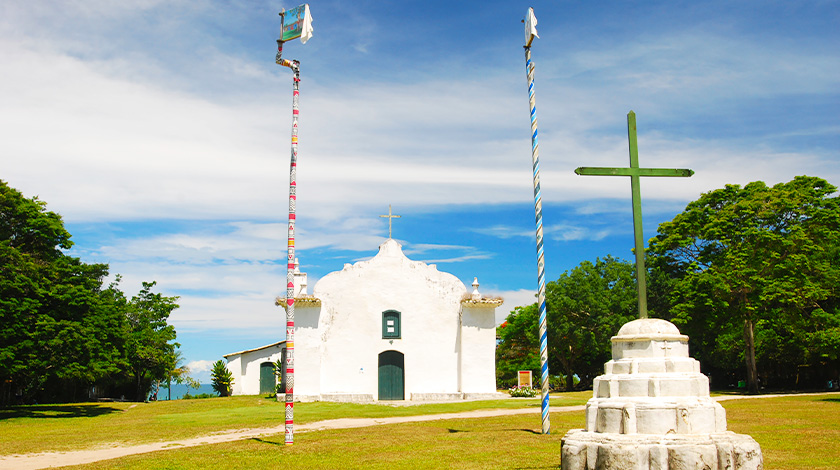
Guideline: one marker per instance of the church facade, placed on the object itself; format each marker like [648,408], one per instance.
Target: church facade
[390,328]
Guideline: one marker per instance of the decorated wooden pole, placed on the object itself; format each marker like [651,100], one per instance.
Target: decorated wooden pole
[635,173]
[296,24]
[530,33]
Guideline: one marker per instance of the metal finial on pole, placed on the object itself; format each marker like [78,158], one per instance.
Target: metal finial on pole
[530,33]
[301,27]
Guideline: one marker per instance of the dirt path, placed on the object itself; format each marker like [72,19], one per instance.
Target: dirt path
[59,459]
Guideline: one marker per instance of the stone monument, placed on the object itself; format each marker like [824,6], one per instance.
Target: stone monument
[652,410]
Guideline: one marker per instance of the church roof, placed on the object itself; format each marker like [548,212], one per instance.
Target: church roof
[255,349]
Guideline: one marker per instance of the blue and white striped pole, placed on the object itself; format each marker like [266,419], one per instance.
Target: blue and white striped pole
[531,32]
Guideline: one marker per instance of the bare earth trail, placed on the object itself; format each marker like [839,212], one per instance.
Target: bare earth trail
[59,459]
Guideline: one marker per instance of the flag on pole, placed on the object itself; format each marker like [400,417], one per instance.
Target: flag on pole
[297,23]
[530,27]
[306,27]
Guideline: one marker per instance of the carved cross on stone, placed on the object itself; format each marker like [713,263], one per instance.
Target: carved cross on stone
[390,217]
[634,172]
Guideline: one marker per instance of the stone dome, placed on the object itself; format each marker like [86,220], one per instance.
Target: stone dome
[648,326]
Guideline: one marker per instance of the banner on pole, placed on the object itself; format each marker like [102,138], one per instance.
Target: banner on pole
[530,27]
[297,23]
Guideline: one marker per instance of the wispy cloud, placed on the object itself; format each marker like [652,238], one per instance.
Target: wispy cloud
[561,232]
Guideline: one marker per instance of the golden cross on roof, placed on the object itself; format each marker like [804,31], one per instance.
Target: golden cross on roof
[390,217]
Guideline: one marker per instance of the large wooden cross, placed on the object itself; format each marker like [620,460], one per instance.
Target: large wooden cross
[390,217]
[634,172]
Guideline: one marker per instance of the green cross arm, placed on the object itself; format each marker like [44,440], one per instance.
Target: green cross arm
[635,173]
[606,171]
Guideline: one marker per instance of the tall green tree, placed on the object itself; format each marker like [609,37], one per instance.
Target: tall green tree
[584,307]
[150,339]
[519,345]
[58,327]
[756,264]
[61,330]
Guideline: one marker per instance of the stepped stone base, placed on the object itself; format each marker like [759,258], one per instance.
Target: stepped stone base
[651,410]
[584,450]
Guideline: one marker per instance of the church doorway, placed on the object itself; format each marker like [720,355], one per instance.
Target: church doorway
[391,376]
[267,379]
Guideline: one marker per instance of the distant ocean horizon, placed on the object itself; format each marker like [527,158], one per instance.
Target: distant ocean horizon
[179,390]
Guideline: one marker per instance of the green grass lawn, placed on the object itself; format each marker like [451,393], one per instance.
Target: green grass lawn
[795,433]
[39,428]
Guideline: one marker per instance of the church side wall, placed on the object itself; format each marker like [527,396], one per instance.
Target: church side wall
[478,356]
[249,379]
[308,352]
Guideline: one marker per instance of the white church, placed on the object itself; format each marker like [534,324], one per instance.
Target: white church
[388,328]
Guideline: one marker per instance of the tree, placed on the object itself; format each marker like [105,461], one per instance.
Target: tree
[585,307]
[519,345]
[221,378]
[180,374]
[150,346]
[751,258]
[61,330]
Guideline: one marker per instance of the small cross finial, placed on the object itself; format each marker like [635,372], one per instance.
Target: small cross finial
[390,217]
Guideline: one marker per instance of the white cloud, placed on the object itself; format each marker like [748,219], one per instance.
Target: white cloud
[560,232]
[200,366]
[513,299]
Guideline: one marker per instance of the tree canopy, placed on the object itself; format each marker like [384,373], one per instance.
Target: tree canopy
[750,274]
[754,274]
[584,308]
[62,332]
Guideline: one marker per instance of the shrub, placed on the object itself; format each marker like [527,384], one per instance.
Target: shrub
[522,392]
[187,396]
[222,378]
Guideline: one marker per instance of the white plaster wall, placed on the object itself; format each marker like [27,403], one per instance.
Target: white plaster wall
[247,380]
[350,323]
[478,350]
[234,365]
[308,350]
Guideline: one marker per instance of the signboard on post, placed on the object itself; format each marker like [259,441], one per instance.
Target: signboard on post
[525,378]
[297,23]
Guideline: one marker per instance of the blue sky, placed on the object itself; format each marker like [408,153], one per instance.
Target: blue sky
[160,131]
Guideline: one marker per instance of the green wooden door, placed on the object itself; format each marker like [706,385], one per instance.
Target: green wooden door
[267,378]
[391,376]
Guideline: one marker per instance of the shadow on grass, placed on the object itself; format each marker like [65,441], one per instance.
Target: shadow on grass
[532,431]
[263,441]
[538,468]
[56,411]
[831,399]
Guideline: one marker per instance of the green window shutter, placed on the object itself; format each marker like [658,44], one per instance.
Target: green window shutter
[390,324]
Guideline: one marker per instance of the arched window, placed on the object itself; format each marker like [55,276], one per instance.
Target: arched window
[390,324]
